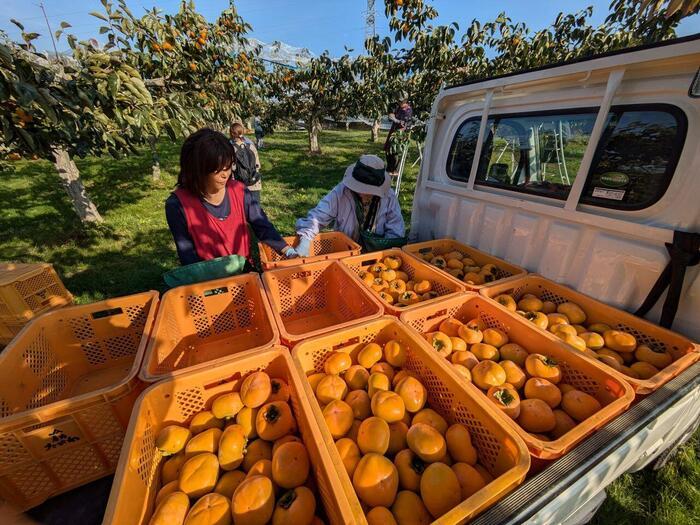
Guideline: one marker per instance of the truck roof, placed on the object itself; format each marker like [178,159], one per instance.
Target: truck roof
[581,60]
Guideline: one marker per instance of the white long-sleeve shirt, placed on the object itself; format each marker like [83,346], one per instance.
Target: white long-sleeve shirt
[337,210]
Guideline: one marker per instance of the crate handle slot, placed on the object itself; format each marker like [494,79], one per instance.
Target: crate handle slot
[425,250]
[216,384]
[352,341]
[109,312]
[436,314]
[369,262]
[215,291]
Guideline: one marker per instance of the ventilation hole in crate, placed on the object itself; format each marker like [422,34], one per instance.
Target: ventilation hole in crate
[483,440]
[547,295]
[190,401]
[642,338]
[325,246]
[4,408]
[33,289]
[501,273]
[196,305]
[223,322]
[32,482]
[93,352]
[137,315]
[12,451]
[99,421]
[578,379]
[203,327]
[76,465]
[172,324]
[238,295]
[121,346]
[244,317]
[149,457]
[492,322]
[36,358]
[82,328]
[51,389]
[111,448]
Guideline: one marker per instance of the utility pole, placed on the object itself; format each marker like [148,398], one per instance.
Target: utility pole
[370,30]
[48,26]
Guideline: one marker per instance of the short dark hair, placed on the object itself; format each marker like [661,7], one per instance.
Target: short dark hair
[204,152]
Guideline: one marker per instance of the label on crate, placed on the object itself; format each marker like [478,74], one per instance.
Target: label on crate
[605,193]
[53,436]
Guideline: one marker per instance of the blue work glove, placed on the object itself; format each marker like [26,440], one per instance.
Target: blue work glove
[304,247]
[290,253]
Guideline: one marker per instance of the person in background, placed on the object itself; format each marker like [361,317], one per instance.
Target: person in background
[259,132]
[363,201]
[209,212]
[246,167]
[400,119]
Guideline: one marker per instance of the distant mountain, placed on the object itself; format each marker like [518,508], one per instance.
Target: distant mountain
[282,53]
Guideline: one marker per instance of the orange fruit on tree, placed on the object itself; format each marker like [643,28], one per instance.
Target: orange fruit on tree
[579,405]
[426,442]
[487,374]
[538,365]
[254,501]
[538,388]
[290,465]
[339,417]
[297,506]
[275,420]
[255,389]
[459,444]
[506,398]
[376,480]
[373,436]
[536,416]
[410,469]
[440,489]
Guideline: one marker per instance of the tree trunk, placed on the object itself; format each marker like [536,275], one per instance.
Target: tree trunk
[155,159]
[375,130]
[70,179]
[347,125]
[313,137]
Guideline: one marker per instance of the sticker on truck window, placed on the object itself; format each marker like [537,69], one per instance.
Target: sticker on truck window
[606,193]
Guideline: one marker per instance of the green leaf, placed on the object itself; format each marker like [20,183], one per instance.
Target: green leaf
[104,29]
[99,15]
[27,138]
[15,22]
[65,25]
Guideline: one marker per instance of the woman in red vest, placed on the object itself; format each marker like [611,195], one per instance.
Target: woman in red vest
[209,212]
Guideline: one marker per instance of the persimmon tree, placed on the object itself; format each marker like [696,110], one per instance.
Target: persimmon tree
[318,90]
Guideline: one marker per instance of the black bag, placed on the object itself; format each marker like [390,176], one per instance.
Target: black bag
[246,171]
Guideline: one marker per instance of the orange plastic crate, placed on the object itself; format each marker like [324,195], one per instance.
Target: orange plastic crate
[326,246]
[443,283]
[208,323]
[683,350]
[70,384]
[506,271]
[500,450]
[586,375]
[9,330]
[316,298]
[176,400]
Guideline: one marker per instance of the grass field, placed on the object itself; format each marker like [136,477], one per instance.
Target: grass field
[133,248]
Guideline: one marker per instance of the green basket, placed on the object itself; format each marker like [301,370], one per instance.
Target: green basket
[205,271]
[371,242]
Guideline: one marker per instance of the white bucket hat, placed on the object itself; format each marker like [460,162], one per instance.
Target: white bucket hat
[367,179]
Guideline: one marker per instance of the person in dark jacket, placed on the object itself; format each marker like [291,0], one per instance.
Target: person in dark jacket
[209,212]
[400,120]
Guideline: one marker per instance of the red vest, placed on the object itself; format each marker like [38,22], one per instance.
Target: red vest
[214,238]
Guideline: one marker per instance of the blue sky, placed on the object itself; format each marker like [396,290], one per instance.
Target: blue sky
[315,24]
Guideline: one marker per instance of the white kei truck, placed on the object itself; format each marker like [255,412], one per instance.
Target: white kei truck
[587,173]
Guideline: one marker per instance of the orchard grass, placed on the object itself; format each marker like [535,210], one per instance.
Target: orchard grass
[133,248]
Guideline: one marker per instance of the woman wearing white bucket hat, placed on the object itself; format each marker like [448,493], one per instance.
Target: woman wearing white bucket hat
[363,205]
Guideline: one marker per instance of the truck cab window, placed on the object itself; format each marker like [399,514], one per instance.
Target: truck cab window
[461,155]
[636,158]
